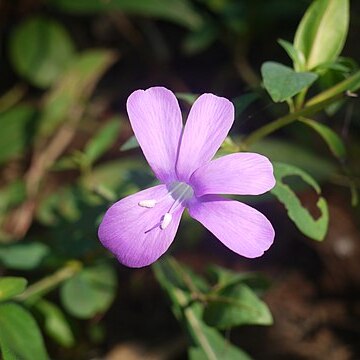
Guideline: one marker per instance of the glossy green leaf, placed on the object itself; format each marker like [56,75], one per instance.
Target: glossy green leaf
[282,82]
[69,95]
[102,141]
[322,31]
[236,305]
[19,334]
[295,55]
[17,130]
[90,292]
[55,323]
[178,11]
[332,139]
[305,222]
[23,256]
[11,286]
[40,50]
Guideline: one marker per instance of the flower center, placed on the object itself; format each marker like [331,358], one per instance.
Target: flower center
[180,193]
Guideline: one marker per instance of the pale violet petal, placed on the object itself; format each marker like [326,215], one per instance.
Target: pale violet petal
[208,123]
[133,233]
[156,120]
[240,227]
[237,174]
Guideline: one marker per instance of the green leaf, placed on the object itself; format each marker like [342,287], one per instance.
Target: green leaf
[89,292]
[130,144]
[40,50]
[17,128]
[315,229]
[242,102]
[70,93]
[178,11]
[56,325]
[102,141]
[332,139]
[322,31]
[19,334]
[236,305]
[295,55]
[282,82]
[23,256]
[11,286]
[208,342]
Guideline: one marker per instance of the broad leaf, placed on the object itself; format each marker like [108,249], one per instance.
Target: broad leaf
[20,336]
[179,11]
[236,305]
[313,228]
[23,256]
[40,50]
[90,292]
[11,286]
[55,323]
[322,31]
[332,139]
[282,82]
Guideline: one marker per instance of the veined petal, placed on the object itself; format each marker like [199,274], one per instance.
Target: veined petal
[208,123]
[155,117]
[240,227]
[237,174]
[132,232]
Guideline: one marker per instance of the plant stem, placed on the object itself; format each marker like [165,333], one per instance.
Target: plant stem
[48,283]
[285,120]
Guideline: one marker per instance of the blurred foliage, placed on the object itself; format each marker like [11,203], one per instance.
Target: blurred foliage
[66,151]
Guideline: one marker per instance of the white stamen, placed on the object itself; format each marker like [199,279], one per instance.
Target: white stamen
[147,203]
[165,221]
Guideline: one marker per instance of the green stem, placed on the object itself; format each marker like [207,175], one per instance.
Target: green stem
[285,120]
[48,283]
[12,97]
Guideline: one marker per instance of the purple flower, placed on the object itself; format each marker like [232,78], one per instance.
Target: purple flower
[140,228]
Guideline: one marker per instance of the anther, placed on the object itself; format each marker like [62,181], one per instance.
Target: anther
[165,221]
[147,203]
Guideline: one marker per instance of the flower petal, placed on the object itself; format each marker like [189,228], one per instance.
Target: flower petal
[208,123]
[155,117]
[133,234]
[240,227]
[237,174]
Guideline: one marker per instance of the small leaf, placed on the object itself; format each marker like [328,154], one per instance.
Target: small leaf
[332,139]
[322,31]
[56,325]
[236,305]
[102,141]
[282,82]
[17,130]
[296,55]
[11,286]
[315,229]
[130,144]
[89,292]
[178,11]
[242,102]
[19,334]
[23,256]
[40,50]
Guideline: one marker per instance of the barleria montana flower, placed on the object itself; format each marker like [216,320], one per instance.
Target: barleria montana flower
[140,228]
